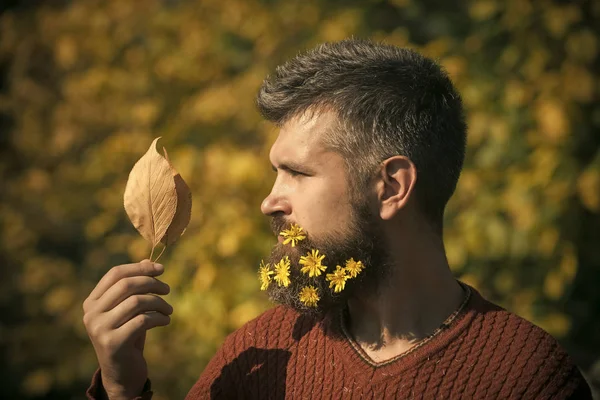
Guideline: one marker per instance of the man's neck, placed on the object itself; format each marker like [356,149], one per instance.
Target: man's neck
[418,296]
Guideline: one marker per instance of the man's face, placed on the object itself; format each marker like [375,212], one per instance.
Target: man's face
[311,190]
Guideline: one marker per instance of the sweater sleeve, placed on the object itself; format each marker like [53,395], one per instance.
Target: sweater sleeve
[96,390]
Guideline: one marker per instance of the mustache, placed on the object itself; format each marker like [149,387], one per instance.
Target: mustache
[278,224]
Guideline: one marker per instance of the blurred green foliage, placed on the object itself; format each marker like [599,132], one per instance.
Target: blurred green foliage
[85,86]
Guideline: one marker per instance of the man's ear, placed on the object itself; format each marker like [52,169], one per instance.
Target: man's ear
[397,178]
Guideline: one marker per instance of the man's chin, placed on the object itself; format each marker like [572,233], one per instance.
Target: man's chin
[328,302]
[287,299]
[290,297]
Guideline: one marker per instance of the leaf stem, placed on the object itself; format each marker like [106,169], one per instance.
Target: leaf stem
[161,252]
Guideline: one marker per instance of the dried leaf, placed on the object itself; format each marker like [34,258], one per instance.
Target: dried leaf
[150,196]
[184,208]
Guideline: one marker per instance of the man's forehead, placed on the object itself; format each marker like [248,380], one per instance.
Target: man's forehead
[302,136]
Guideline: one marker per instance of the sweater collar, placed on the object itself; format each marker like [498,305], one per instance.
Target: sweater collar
[351,353]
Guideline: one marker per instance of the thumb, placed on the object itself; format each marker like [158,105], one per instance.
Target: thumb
[140,342]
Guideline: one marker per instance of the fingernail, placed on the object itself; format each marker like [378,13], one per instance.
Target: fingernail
[158,267]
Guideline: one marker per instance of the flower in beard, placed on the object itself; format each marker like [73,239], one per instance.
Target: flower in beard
[337,280]
[282,272]
[312,263]
[293,235]
[309,296]
[353,268]
[264,275]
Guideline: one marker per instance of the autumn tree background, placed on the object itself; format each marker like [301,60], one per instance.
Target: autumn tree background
[86,85]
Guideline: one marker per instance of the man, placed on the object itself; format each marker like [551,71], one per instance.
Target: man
[371,145]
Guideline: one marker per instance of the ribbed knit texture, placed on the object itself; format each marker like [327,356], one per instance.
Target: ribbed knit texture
[485,353]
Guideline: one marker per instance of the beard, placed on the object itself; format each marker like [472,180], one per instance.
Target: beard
[360,239]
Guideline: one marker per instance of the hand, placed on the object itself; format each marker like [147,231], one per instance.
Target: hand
[117,314]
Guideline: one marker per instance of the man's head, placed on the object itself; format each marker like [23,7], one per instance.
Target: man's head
[367,130]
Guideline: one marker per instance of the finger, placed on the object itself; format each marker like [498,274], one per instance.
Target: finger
[143,268]
[136,326]
[128,287]
[134,305]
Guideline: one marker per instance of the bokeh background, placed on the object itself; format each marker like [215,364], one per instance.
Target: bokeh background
[86,85]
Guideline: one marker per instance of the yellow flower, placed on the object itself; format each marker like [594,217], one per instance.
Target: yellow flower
[337,279]
[353,268]
[282,272]
[309,296]
[264,275]
[293,235]
[312,263]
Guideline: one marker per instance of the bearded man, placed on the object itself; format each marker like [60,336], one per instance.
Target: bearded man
[370,149]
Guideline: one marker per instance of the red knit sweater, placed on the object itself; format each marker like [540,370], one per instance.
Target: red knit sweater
[486,352]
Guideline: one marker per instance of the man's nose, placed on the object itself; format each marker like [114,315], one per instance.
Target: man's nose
[275,203]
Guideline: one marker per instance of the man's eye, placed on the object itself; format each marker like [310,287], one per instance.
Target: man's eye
[291,172]
[296,173]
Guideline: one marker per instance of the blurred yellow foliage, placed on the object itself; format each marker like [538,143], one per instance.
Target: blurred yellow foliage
[85,86]
[37,382]
[556,324]
[588,185]
[552,120]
